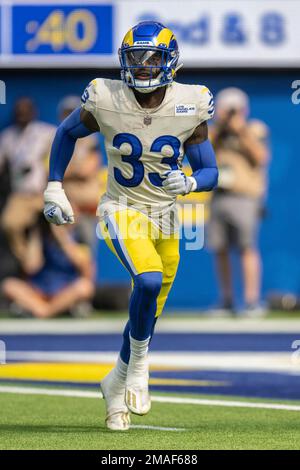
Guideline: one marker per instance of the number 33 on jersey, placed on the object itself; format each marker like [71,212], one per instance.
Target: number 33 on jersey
[142,144]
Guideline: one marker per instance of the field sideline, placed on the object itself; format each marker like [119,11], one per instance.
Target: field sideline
[215,383]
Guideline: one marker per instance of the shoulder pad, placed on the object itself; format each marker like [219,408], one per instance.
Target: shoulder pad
[206,103]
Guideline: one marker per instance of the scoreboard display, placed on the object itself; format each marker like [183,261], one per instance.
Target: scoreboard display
[56,34]
[217,33]
[62,30]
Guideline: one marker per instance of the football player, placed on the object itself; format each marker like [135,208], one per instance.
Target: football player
[149,122]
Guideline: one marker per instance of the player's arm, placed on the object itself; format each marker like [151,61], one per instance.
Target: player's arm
[201,157]
[80,123]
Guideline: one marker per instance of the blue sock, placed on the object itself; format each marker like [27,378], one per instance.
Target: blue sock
[125,350]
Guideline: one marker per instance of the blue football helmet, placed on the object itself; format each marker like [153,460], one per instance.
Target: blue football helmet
[148,56]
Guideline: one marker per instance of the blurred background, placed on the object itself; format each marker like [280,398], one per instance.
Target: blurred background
[49,54]
[247,53]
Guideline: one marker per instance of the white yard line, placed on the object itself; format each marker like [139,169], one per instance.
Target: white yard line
[165,325]
[155,398]
[203,360]
[155,428]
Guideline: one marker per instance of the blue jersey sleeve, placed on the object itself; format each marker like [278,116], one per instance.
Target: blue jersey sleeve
[203,163]
[63,145]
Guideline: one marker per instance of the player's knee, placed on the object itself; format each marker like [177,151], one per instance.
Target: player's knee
[42,311]
[8,286]
[85,288]
[8,224]
[149,283]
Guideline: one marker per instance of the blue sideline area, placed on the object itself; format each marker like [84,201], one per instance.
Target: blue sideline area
[271,342]
[243,383]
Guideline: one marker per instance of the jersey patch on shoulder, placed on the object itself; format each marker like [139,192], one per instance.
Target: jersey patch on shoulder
[85,96]
[185,109]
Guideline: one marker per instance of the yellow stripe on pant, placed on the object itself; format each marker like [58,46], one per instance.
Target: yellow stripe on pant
[141,247]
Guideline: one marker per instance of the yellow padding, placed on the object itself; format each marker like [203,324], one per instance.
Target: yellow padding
[188,383]
[82,372]
[63,372]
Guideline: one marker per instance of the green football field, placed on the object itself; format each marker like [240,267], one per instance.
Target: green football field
[59,422]
[50,404]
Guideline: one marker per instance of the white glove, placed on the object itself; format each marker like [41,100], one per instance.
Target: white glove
[57,208]
[177,182]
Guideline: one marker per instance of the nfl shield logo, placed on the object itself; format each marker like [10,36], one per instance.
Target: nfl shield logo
[147,120]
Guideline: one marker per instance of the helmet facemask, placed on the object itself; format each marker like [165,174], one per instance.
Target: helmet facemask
[147,68]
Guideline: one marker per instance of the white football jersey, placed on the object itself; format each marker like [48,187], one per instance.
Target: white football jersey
[142,144]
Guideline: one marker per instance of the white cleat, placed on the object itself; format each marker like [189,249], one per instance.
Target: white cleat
[138,399]
[137,395]
[117,413]
[118,421]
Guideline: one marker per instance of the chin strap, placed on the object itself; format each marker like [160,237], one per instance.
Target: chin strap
[150,85]
[146,90]
[178,67]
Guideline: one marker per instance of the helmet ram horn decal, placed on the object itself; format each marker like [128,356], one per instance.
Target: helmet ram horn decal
[148,56]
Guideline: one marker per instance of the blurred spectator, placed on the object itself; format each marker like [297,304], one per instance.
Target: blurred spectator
[242,155]
[59,274]
[9,265]
[81,181]
[24,146]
